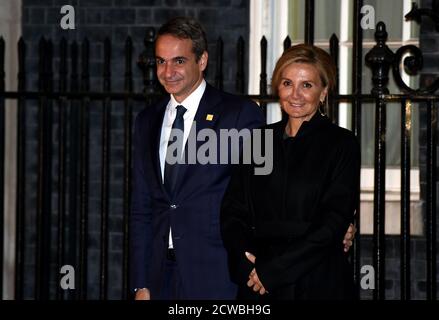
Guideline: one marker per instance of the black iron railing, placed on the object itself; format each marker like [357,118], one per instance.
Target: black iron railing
[73,104]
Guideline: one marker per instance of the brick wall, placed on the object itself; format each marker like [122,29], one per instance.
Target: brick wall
[117,19]
[96,20]
[429,44]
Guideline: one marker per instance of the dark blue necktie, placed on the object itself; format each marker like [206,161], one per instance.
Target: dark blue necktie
[171,170]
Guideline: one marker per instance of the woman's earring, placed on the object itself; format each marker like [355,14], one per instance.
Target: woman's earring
[322,108]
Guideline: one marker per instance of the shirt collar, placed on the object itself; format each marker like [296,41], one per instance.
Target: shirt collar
[306,127]
[191,102]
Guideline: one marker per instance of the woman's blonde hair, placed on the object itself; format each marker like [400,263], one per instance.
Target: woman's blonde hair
[305,53]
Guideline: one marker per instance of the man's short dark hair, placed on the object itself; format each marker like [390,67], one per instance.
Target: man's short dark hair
[186,28]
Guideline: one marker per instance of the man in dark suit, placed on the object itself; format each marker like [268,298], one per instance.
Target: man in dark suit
[176,246]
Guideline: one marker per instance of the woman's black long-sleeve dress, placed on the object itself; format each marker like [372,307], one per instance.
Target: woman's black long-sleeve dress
[294,219]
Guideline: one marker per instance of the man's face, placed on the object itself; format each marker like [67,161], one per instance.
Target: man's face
[177,69]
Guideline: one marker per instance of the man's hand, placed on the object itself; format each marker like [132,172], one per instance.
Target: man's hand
[349,237]
[142,294]
[253,277]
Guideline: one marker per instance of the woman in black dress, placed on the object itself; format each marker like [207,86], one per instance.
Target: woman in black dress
[283,231]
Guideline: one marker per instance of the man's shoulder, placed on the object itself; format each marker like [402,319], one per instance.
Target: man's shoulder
[154,106]
[240,100]
[229,98]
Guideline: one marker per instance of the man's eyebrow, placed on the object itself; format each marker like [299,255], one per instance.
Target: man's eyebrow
[175,58]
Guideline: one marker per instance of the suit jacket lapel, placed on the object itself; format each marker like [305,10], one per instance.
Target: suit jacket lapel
[209,109]
[156,129]
[208,113]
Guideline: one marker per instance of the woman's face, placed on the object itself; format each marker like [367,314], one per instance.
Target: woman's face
[300,90]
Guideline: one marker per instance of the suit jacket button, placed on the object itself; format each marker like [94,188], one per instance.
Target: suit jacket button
[173,206]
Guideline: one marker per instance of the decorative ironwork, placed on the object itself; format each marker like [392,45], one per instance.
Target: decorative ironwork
[380,58]
[414,63]
[79,97]
[219,78]
[146,63]
[287,42]
[417,13]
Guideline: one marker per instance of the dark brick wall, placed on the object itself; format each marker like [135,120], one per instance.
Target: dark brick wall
[392,267]
[117,19]
[96,20]
[429,44]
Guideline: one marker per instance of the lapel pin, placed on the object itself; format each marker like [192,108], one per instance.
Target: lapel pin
[209,117]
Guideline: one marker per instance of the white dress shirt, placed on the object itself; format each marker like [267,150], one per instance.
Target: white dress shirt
[191,104]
